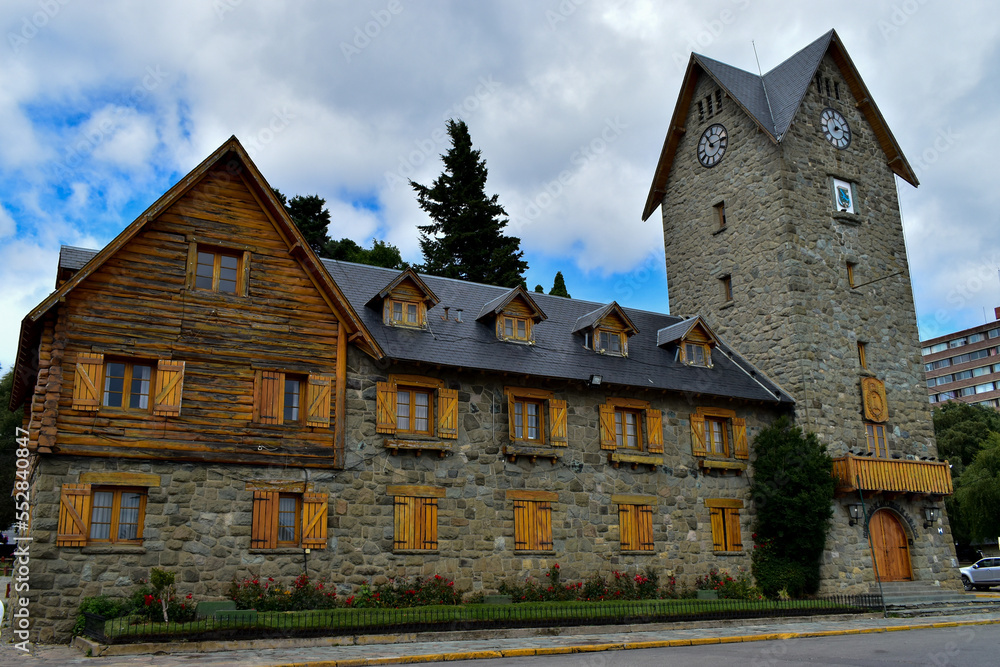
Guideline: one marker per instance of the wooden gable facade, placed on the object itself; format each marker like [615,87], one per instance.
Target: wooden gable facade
[207,331]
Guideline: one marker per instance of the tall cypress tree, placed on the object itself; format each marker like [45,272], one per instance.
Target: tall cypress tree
[466,239]
[559,286]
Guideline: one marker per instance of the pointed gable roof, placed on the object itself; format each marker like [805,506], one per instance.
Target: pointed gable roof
[430,298]
[496,306]
[772,100]
[237,161]
[679,331]
[594,317]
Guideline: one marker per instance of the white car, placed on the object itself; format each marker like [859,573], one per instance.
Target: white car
[982,574]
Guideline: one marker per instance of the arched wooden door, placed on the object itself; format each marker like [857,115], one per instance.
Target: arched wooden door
[892,554]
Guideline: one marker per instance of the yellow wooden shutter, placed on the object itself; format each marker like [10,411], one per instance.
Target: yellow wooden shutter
[74,515]
[645,527]
[627,527]
[87,390]
[511,401]
[427,517]
[718,529]
[385,411]
[607,426]
[404,513]
[557,418]
[314,513]
[447,413]
[698,435]
[269,397]
[543,530]
[733,540]
[654,430]
[264,534]
[169,388]
[318,400]
[742,450]
[521,524]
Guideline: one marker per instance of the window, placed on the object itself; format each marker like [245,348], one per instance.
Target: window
[993,333]
[727,288]
[609,342]
[535,416]
[940,347]
[635,527]
[975,338]
[415,517]
[877,443]
[720,214]
[416,406]
[112,512]
[850,274]
[278,398]
[217,271]
[861,354]
[413,410]
[696,354]
[958,342]
[710,434]
[284,517]
[963,375]
[967,391]
[516,328]
[983,388]
[631,424]
[532,519]
[128,385]
[725,518]
[117,514]
[406,313]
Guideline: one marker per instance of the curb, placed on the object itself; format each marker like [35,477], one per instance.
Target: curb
[619,646]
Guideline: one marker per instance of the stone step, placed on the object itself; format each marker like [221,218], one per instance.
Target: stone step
[944,610]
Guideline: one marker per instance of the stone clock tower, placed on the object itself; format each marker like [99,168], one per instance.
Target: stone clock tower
[782,228]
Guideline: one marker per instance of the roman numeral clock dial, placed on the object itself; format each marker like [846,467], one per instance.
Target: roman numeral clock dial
[712,145]
[835,128]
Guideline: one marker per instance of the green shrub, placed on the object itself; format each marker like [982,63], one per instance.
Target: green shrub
[102,605]
[269,595]
[398,593]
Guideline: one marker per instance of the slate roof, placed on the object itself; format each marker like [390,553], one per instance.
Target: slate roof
[557,352]
[74,258]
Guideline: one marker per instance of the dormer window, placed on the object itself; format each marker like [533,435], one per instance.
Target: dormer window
[405,301]
[406,313]
[516,328]
[691,340]
[696,354]
[514,315]
[609,342]
[606,330]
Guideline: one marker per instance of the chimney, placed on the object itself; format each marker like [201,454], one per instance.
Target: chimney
[445,317]
[458,314]
[996,312]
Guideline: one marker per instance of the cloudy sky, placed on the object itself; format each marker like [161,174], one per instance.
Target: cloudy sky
[104,105]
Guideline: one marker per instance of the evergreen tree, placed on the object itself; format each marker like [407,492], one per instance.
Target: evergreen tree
[559,286]
[978,492]
[311,217]
[539,289]
[466,239]
[381,253]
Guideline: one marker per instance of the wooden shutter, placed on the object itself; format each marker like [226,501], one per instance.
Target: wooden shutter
[265,520]
[404,515]
[318,400]
[557,419]
[627,528]
[74,515]
[314,513]
[385,410]
[521,524]
[532,525]
[415,523]
[169,387]
[741,449]
[269,397]
[698,435]
[733,540]
[511,401]
[607,426]
[718,529]
[645,526]
[88,386]
[447,413]
[654,431]
[543,525]
[427,523]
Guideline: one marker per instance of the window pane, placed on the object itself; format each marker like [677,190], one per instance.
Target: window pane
[421,411]
[100,516]
[618,429]
[114,384]
[519,420]
[533,420]
[397,312]
[522,330]
[227,274]
[128,517]
[508,327]
[403,410]
[205,270]
[286,519]
[138,396]
[411,313]
[292,390]
[631,430]
[605,340]
[616,343]
[982,370]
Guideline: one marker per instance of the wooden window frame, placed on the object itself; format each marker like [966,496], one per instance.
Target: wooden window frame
[241,255]
[127,380]
[720,213]
[411,406]
[850,274]
[116,510]
[686,357]
[514,320]
[521,432]
[723,425]
[420,311]
[315,393]
[622,342]
[621,437]
[872,432]
[311,516]
[415,517]
[863,354]
[724,514]
[552,416]
[649,422]
[735,439]
[533,520]
[442,408]
[727,288]
[296,520]
[635,527]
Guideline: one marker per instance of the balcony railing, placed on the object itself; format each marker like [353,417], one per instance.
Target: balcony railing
[891,475]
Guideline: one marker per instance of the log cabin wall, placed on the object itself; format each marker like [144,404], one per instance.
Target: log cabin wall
[142,306]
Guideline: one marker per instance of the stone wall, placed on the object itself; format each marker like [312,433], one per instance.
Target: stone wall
[198,520]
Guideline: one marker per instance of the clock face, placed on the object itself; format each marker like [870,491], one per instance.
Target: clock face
[835,128]
[712,145]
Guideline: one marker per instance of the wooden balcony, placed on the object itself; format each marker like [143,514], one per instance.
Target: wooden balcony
[891,476]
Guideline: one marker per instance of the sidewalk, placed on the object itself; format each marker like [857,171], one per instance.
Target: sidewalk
[494,644]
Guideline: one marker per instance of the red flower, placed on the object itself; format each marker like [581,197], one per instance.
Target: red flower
[189,596]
